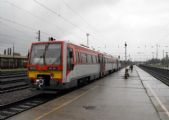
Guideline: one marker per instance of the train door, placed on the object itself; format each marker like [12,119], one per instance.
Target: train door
[70,63]
[102,65]
[70,59]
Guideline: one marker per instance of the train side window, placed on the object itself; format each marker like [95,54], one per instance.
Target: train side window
[84,58]
[89,59]
[94,59]
[77,57]
[104,60]
[99,59]
[80,57]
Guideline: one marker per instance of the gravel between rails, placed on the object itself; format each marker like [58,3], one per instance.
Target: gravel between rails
[10,97]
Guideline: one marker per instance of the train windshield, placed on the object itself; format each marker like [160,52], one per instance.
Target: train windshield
[46,54]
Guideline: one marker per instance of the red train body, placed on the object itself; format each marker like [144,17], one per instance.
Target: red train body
[62,65]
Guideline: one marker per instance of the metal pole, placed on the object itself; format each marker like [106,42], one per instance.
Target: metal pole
[125,51]
[87,34]
[39,35]
[166,55]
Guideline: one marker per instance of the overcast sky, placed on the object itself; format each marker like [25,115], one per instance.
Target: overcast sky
[141,23]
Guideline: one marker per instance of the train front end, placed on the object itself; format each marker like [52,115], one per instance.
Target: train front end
[45,67]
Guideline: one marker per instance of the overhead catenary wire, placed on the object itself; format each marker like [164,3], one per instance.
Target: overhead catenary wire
[61,30]
[35,16]
[59,15]
[11,43]
[18,30]
[42,5]
[84,20]
[22,25]
[7,36]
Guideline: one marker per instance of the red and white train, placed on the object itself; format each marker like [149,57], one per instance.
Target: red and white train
[62,65]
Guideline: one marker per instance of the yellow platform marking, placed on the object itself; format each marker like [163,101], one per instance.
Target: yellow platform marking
[64,104]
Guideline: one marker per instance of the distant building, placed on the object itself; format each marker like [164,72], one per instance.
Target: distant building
[10,61]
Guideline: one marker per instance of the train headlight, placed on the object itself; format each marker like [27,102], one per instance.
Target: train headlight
[32,68]
[52,68]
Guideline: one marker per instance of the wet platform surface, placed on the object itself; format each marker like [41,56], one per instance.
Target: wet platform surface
[110,98]
[158,93]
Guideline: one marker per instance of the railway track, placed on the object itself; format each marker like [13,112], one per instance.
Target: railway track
[14,108]
[12,81]
[25,103]
[160,74]
[7,74]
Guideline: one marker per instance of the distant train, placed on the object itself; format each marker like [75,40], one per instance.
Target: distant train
[61,65]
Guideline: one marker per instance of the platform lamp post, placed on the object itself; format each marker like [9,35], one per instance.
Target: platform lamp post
[39,35]
[126,74]
[125,52]
[87,35]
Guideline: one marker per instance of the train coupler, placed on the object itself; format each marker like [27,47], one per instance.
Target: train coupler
[39,82]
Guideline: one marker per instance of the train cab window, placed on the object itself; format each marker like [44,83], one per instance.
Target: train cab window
[70,63]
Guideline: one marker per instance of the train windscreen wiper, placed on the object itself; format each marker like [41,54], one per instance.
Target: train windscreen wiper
[44,53]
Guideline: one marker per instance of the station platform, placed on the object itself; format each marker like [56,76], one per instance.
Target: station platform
[140,97]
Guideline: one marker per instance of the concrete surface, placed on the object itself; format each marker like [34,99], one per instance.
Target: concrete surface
[110,98]
[158,92]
